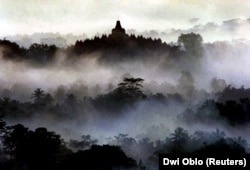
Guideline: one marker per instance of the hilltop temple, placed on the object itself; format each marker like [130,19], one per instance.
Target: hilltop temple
[119,43]
[118,31]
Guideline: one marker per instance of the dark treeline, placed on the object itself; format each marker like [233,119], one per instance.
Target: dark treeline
[123,47]
[115,47]
[40,149]
[36,53]
[43,149]
[22,148]
[232,104]
[224,101]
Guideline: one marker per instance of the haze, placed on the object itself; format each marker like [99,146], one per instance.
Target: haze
[92,16]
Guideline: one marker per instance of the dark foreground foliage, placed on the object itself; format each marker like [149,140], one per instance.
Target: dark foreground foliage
[41,149]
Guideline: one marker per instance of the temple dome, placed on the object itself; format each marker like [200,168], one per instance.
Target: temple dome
[118,30]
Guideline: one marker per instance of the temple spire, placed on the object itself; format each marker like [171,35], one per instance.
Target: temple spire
[118,29]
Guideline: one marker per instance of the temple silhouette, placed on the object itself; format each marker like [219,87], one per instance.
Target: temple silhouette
[118,30]
[119,46]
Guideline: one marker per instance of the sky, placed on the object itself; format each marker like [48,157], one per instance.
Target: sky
[99,16]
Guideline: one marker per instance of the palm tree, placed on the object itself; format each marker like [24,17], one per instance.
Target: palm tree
[38,96]
[179,137]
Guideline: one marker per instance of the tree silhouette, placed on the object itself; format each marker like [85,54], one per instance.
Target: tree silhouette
[179,138]
[16,141]
[11,50]
[233,94]
[241,141]
[219,148]
[70,100]
[125,95]
[234,112]
[124,140]
[131,87]
[45,148]
[38,96]
[192,43]
[11,108]
[48,100]
[39,149]
[104,157]
[41,53]
[85,143]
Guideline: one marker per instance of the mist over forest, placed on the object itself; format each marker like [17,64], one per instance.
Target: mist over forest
[133,95]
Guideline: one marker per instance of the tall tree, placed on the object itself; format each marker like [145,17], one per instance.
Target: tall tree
[39,149]
[131,87]
[192,43]
[16,141]
[38,96]
[180,137]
